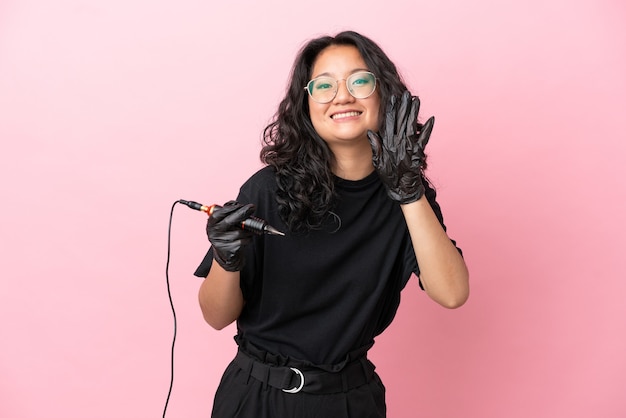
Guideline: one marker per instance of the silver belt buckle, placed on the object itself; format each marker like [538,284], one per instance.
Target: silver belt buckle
[296,389]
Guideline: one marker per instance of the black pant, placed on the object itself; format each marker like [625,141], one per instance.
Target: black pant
[242,395]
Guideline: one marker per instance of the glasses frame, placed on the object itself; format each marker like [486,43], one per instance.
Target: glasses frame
[337,86]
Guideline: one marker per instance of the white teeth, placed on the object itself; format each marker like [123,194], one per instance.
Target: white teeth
[345,115]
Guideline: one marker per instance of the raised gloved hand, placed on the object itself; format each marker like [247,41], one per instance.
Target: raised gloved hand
[226,234]
[398,155]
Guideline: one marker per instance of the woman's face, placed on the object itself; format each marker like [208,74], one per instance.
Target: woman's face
[344,119]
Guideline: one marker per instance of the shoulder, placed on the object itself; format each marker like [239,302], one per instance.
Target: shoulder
[261,183]
[264,176]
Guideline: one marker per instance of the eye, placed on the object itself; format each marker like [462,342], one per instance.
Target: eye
[361,79]
[324,84]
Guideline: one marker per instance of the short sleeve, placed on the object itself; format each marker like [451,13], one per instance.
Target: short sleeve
[205,266]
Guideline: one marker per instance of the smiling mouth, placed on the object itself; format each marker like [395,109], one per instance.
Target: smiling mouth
[345,115]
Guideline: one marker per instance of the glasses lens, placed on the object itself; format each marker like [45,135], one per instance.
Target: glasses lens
[361,85]
[322,89]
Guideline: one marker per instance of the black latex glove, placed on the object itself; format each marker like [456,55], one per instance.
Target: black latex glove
[398,155]
[226,235]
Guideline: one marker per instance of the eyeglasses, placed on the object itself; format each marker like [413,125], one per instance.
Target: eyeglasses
[324,89]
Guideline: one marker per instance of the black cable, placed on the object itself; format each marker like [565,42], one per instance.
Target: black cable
[169,294]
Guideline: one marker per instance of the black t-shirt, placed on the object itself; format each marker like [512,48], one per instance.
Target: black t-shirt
[320,296]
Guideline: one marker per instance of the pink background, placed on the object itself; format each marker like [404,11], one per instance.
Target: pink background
[112,110]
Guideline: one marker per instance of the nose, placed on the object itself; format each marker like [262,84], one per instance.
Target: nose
[343,95]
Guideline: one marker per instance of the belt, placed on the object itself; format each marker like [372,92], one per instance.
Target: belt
[311,380]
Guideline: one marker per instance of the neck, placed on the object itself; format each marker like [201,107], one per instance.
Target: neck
[353,163]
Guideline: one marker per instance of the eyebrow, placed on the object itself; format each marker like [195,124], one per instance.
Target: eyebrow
[356,70]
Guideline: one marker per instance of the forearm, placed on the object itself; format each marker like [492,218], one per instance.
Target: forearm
[443,272]
[220,297]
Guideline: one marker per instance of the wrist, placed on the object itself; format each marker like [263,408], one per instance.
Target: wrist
[233,263]
[406,198]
